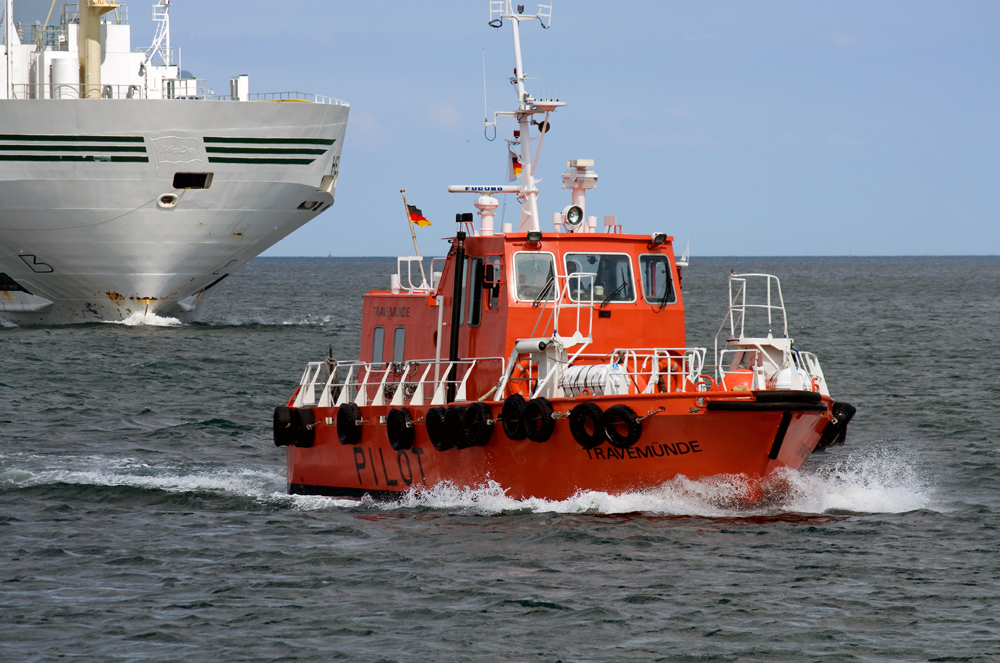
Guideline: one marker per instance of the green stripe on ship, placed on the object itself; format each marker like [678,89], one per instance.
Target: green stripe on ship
[264,150]
[252,160]
[288,141]
[76,139]
[75,148]
[72,157]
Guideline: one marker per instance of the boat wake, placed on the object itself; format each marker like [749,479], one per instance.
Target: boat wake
[876,481]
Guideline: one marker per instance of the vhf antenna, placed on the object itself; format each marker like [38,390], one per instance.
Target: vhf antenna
[486,108]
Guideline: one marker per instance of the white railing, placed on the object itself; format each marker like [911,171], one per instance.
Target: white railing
[408,284]
[182,91]
[417,382]
[75,91]
[290,96]
[759,364]
[656,370]
[571,284]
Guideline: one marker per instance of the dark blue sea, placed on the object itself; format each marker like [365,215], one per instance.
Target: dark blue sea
[143,514]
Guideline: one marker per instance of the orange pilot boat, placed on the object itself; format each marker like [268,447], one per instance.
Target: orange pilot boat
[550,363]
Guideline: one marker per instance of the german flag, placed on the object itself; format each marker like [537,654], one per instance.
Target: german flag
[417,217]
[513,166]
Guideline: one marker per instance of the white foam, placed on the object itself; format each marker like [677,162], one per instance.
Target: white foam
[140,318]
[8,324]
[877,481]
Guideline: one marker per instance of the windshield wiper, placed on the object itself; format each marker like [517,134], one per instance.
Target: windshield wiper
[543,293]
[613,294]
[666,295]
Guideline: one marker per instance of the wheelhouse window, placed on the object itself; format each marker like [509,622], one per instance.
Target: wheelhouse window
[612,281]
[378,341]
[535,275]
[476,276]
[491,282]
[399,344]
[657,282]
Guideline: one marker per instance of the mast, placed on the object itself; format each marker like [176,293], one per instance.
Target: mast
[90,45]
[527,106]
[8,30]
[529,193]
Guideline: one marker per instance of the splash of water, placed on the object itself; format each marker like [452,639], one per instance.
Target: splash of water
[876,481]
[140,319]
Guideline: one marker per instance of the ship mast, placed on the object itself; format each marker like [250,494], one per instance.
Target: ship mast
[527,106]
[90,45]
[161,42]
[8,31]
[529,205]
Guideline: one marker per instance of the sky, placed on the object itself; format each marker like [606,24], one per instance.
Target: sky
[748,128]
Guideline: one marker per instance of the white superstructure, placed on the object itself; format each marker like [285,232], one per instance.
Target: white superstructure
[127,188]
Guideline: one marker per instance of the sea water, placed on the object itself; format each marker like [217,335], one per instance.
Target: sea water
[143,514]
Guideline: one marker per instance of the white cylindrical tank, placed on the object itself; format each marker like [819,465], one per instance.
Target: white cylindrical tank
[65,78]
[487,206]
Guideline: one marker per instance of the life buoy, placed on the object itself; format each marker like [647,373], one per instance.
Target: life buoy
[282,426]
[399,428]
[615,419]
[434,421]
[303,433]
[520,372]
[349,423]
[454,426]
[538,420]
[512,416]
[478,425]
[585,425]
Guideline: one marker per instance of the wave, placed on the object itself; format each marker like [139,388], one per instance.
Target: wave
[875,481]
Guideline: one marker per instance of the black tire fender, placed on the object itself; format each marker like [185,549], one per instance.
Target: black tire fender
[399,428]
[349,423]
[618,417]
[436,431]
[282,426]
[512,417]
[454,426]
[478,425]
[303,433]
[585,425]
[538,421]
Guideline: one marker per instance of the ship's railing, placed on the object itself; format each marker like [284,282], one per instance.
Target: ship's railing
[307,97]
[416,382]
[572,292]
[75,91]
[52,37]
[753,365]
[653,370]
[413,280]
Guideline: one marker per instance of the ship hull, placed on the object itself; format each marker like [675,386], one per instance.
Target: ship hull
[682,439]
[84,232]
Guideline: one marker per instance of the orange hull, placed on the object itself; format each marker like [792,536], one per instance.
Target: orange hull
[682,439]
